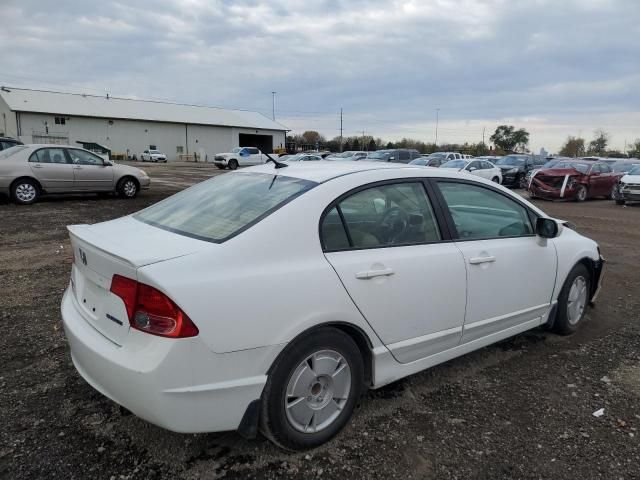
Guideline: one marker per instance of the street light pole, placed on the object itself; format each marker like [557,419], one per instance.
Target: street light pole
[437,115]
[273,105]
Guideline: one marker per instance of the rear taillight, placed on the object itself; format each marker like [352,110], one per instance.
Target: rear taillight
[151,311]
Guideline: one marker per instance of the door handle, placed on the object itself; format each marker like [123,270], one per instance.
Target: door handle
[77,168]
[36,165]
[367,274]
[479,260]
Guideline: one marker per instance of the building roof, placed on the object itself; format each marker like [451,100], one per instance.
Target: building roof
[84,105]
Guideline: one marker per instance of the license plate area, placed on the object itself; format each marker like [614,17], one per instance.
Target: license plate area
[99,307]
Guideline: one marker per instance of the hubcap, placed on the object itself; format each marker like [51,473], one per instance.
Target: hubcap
[129,188]
[317,391]
[25,192]
[582,193]
[577,300]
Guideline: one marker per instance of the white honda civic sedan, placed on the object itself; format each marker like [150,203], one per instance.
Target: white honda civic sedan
[269,299]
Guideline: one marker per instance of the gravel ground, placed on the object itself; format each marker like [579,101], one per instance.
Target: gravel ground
[519,409]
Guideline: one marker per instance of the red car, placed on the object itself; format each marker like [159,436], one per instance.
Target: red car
[574,179]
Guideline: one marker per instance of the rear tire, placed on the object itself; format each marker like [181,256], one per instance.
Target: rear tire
[25,191]
[620,202]
[127,188]
[613,195]
[573,300]
[312,390]
[233,164]
[495,180]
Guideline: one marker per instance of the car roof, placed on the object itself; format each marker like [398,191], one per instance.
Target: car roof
[322,170]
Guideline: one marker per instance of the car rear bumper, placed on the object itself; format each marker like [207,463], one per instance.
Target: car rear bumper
[179,384]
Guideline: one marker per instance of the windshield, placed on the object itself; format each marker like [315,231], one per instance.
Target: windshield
[419,161]
[510,160]
[581,167]
[437,155]
[154,151]
[623,166]
[635,170]
[379,155]
[10,151]
[224,206]
[550,163]
[454,164]
[235,150]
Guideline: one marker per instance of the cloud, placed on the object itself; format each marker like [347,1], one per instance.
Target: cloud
[555,68]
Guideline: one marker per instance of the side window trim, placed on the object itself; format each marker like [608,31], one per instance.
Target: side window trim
[453,232]
[440,217]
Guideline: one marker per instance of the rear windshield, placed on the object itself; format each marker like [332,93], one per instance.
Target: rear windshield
[455,164]
[224,206]
[10,151]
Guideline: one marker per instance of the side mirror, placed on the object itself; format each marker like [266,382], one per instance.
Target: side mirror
[108,163]
[472,169]
[546,227]
[391,159]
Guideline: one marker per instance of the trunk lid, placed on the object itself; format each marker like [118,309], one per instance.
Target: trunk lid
[117,247]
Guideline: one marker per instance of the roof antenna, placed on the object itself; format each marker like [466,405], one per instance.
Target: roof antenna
[275,162]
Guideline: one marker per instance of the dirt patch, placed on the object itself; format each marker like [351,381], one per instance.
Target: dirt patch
[519,409]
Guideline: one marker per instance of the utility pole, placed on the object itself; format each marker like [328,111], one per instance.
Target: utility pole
[340,130]
[273,105]
[437,115]
[483,129]
[362,140]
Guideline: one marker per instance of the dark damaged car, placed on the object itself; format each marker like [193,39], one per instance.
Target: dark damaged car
[574,180]
[515,168]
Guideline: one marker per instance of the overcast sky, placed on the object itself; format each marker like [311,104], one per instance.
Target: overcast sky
[556,68]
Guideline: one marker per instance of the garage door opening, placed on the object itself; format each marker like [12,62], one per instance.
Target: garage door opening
[263,142]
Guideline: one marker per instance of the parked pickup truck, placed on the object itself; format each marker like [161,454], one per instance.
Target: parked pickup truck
[239,157]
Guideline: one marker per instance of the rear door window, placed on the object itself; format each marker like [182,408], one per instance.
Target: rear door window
[49,155]
[381,216]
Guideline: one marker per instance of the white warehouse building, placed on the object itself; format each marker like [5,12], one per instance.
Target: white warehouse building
[129,126]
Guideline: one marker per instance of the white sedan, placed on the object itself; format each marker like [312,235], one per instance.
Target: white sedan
[481,168]
[269,299]
[153,156]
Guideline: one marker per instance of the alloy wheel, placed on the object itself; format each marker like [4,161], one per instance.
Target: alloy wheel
[129,188]
[26,192]
[577,300]
[317,391]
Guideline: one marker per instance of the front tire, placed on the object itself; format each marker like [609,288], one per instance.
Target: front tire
[573,300]
[233,164]
[25,192]
[127,188]
[581,194]
[312,390]
[522,182]
[495,180]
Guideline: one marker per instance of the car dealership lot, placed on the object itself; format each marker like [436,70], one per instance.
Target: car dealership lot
[522,408]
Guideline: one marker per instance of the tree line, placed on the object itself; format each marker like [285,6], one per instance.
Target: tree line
[505,139]
[578,147]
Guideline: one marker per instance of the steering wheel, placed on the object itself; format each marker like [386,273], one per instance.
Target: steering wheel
[393,224]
